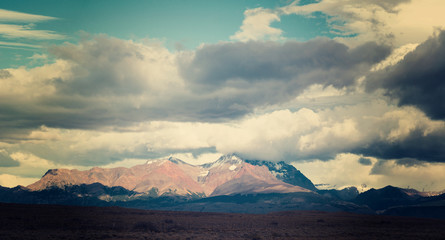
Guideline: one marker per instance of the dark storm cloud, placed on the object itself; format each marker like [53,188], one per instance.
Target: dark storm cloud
[418,80]
[365,161]
[6,160]
[381,167]
[409,162]
[296,64]
[416,145]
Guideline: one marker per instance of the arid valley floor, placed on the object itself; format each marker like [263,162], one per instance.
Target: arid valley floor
[69,222]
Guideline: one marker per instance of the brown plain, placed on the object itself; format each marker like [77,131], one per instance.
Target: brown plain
[18,221]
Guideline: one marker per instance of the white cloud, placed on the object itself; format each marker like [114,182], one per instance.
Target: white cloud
[317,91]
[32,166]
[197,159]
[396,22]
[418,20]
[18,45]
[13,16]
[342,171]
[304,133]
[396,56]
[128,162]
[23,84]
[8,180]
[256,26]
[26,31]
[17,25]
[345,170]
[426,176]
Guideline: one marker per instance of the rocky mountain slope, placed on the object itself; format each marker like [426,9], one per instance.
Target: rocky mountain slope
[229,174]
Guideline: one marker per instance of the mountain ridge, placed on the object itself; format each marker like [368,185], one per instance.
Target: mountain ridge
[174,176]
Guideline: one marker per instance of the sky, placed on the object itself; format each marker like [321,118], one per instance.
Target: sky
[350,92]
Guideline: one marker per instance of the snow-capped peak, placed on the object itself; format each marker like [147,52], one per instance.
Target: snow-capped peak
[230,158]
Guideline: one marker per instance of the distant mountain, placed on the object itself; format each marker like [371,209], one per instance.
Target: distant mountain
[99,195]
[229,174]
[346,194]
[268,202]
[94,194]
[389,196]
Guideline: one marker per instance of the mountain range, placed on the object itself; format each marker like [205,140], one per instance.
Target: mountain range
[229,184]
[228,175]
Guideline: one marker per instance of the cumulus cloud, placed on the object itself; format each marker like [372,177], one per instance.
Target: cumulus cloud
[107,66]
[336,175]
[239,77]
[372,130]
[365,19]
[375,174]
[107,82]
[369,128]
[256,26]
[354,22]
[418,79]
[8,180]
[89,86]
[33,166]
[300,64]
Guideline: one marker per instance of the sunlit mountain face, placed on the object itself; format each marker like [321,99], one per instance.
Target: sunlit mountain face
[329,94]
[227,175]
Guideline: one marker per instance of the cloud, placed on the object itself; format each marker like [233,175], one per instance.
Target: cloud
[365,161]
[110,66]
[17,45]
[8,180]
[345,170]
[426,176]
[6,160]
[26,31]
[335,173]
[90,86]
[256,26]
[389,22]
[368,19]
[242,76]
[17,25]
[416,145]
[417,79]
[4,74]
[13,16]
[32,166]
[370,128]
[396,56]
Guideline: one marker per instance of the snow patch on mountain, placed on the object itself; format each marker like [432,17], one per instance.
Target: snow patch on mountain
[204,173]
